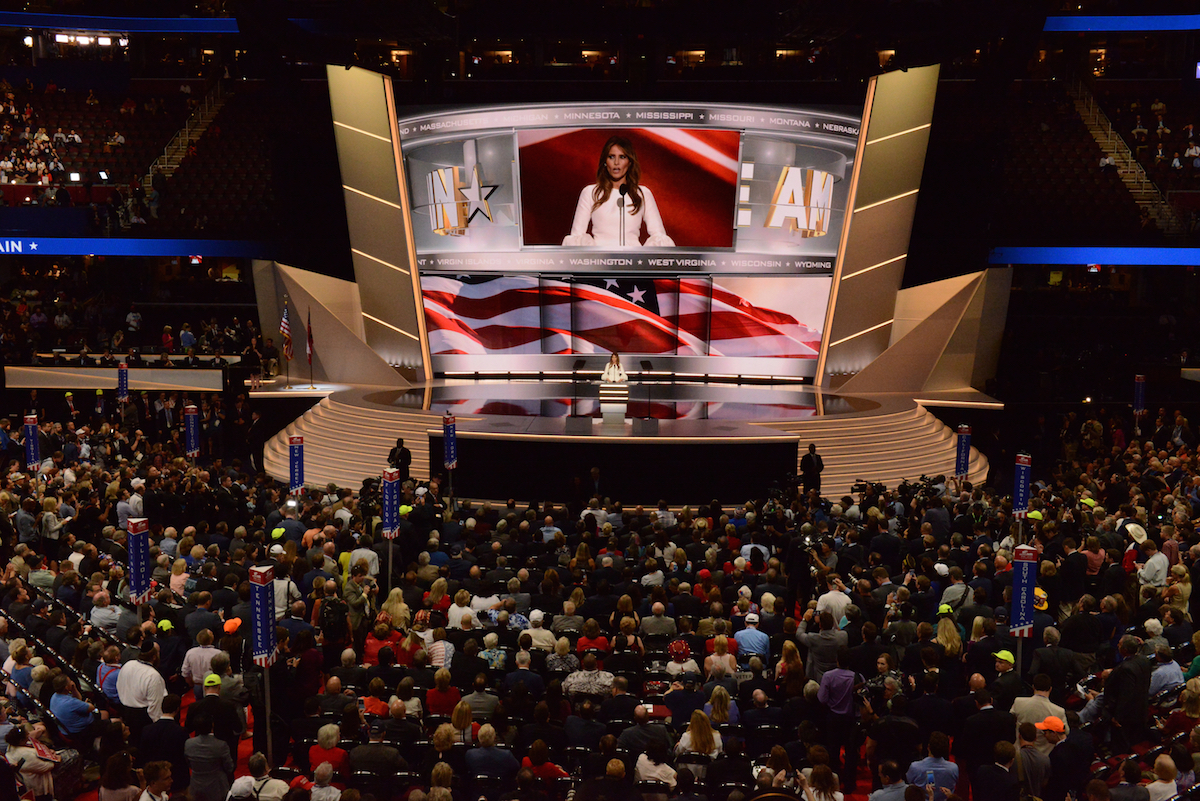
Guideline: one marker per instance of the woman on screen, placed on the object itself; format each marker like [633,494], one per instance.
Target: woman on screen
[614,373]
[617,204]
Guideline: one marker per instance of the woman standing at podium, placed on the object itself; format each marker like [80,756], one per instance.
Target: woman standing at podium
[613,372]
[617,204]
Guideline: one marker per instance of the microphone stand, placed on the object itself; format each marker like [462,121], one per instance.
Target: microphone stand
[621,213]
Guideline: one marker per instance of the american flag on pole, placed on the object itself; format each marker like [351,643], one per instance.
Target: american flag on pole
[687,317]
[285,328]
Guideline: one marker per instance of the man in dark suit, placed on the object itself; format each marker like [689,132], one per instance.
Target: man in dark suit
[1008,686]
[621,705]
[1060,664]
[398,729]
[226,723]
[997,781]
[1126,696]
[982,731]
[760,713]
[375,757]
[1070,757]
[164,740]
[811,466]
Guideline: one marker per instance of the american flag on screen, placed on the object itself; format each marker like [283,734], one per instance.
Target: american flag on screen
[508,315]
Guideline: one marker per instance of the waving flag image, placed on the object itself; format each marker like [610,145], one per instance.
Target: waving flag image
[690,316]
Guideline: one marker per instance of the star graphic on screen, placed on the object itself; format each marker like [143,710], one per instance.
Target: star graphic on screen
[609,283]
[636,295]
[33,245]
[476,195]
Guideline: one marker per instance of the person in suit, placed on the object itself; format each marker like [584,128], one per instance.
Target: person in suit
[822,645]
[997,781]
[612,786]
[400,458]
[1008,686]
[620,706]
[980,732]
[1060,664]
[488,760]
[210,762]
[221,714]
[1126,696]
[375,757]
[163,741]
[811,466]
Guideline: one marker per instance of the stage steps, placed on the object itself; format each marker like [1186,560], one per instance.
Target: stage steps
[346,441]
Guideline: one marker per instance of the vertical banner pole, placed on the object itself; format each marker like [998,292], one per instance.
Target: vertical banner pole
[33,448]
[191,432]
[123,383]
[1021,483]
[296,465]
[1025,563]
[450,446]
[139,560]
[264,648]
[1139,403]
[962,456]
[389,497]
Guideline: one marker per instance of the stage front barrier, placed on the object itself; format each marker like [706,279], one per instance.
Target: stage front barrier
[348,436]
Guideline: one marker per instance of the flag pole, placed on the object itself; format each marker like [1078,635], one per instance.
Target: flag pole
[287,372]
[308,346]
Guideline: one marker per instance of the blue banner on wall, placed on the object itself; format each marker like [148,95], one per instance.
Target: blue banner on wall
[138,545]
[389,493]
[262,606]
[1025,565]
[1021,484]
[296,465]
[123,383]
[115,246]
[962,456]
[33,448]
[191,431]
[449,442]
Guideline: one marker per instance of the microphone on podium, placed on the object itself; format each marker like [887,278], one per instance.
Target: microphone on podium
[624,190]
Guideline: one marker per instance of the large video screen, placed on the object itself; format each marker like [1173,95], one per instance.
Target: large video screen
[662,229]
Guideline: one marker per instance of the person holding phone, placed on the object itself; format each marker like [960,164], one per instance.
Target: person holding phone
[936,770]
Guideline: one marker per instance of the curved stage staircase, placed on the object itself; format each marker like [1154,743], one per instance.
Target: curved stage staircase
[347,438]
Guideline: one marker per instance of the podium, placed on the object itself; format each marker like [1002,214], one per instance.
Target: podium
[614,402]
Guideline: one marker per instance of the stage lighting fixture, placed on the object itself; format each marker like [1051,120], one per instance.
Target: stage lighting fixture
[28,40]
[83,40]
[103,175]
[103,40]
[61,38]
[123,42]
[75,177]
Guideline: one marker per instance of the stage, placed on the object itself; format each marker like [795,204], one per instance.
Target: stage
[685,441]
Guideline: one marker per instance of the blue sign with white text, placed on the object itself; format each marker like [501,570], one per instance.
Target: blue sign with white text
[962,455]
[32,447]
[1025,564]
[296,464]
[450,443]
[1021,484]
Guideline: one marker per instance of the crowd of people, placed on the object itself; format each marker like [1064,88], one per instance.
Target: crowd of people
[66,313]
[796,645]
